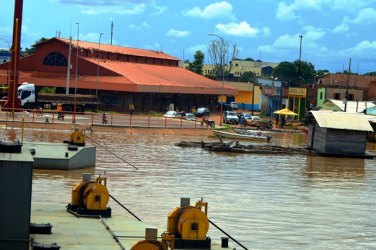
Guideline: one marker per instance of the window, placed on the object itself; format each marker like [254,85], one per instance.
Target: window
[25,94]
[321,95]
[351,97]
[337,96]
[55,59]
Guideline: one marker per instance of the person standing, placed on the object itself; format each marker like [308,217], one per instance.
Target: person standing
[131,108]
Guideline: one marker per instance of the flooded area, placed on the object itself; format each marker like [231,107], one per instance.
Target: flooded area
[263,201]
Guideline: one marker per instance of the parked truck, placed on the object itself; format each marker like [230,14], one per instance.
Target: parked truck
[31,98]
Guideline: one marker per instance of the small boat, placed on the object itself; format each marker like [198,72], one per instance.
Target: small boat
[248,136]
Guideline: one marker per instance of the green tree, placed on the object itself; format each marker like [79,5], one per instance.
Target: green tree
[29,51]
[197,65]
[298,71]
[248,76]
[285,71]
[321,72]
[371,73]
[307,71]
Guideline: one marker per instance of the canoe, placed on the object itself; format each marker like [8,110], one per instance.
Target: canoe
[230,135]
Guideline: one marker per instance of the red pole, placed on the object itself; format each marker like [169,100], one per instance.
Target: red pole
[16,47]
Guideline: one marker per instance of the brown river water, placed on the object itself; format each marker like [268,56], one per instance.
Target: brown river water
[263,201]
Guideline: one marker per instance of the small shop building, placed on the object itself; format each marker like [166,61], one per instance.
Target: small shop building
[338,133]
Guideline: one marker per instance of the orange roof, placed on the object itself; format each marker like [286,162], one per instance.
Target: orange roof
[119,49]
[163,79]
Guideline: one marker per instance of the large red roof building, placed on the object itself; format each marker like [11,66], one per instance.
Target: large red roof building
[151,80]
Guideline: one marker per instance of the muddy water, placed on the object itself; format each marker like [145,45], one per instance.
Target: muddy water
[265,202]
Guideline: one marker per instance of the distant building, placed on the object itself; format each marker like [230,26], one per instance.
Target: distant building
[338,133]
[151,80]
[360,88]
[238,67]
[4,56]
[351,106]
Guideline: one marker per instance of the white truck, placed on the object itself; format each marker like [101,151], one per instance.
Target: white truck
[30,98]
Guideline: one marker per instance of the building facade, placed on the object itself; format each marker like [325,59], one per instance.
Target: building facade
[151,80]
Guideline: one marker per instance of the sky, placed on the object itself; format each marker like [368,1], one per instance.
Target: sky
[333,31]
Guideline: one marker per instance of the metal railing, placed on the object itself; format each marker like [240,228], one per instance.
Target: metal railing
[90,118]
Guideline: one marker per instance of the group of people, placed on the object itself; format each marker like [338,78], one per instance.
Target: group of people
[283,121]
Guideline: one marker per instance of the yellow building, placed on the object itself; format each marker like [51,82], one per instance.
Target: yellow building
[249,93]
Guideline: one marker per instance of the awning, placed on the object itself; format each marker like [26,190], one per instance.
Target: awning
[284,111]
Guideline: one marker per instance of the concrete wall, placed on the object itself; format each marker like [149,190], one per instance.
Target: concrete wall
[16,183]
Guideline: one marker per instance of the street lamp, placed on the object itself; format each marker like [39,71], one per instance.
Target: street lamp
[99,53]
[75,81]
[9,50]
[222,69]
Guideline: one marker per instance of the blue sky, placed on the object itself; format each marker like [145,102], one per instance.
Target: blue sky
[333,30]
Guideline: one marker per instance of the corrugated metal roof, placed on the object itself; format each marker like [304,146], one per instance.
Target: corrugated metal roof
[342,120]
[353,106]
[163,79]
[120,50]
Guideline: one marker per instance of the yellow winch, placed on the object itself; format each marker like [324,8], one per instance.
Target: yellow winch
[189,225]
[90,197]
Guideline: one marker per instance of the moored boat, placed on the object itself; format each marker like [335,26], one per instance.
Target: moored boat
[248,136]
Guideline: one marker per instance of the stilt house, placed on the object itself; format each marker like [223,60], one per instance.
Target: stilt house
[338,133]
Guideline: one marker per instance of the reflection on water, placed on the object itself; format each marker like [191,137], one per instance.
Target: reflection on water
[265,202]
[331,167]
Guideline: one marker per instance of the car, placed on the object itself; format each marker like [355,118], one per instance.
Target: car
[171,114]
[253,120]
[190,117]
[234,105]
[202,112]
[230,117]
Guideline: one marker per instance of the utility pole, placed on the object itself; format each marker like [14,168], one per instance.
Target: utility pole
[112,30]
[300,57]
[347,86]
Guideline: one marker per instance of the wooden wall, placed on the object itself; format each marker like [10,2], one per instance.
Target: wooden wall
[338,141]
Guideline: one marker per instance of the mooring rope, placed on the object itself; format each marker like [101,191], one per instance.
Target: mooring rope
[220,229]
[111,152]
[129,211]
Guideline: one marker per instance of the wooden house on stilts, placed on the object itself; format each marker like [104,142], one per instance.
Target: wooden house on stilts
[338,133]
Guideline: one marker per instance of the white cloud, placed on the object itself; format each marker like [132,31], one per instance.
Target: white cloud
[287,46]
[139,27]
[286,12]
[177,33]
[90,37]
[123,10]
[342,28]
[289,10]
[202,47]
[364,46]
[313,34]
[242,29]
[367,15]
[214,10]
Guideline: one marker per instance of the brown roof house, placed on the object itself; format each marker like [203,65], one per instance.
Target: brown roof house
[338,133]
[151,80]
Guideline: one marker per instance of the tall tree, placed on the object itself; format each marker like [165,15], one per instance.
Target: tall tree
[197,65]
[307,72]
[220,55]
[288,72]
[285,71]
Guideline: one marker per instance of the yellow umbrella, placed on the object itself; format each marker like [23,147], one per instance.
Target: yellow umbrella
[284,111]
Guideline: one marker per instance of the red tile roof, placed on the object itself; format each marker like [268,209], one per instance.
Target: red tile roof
[119,49]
